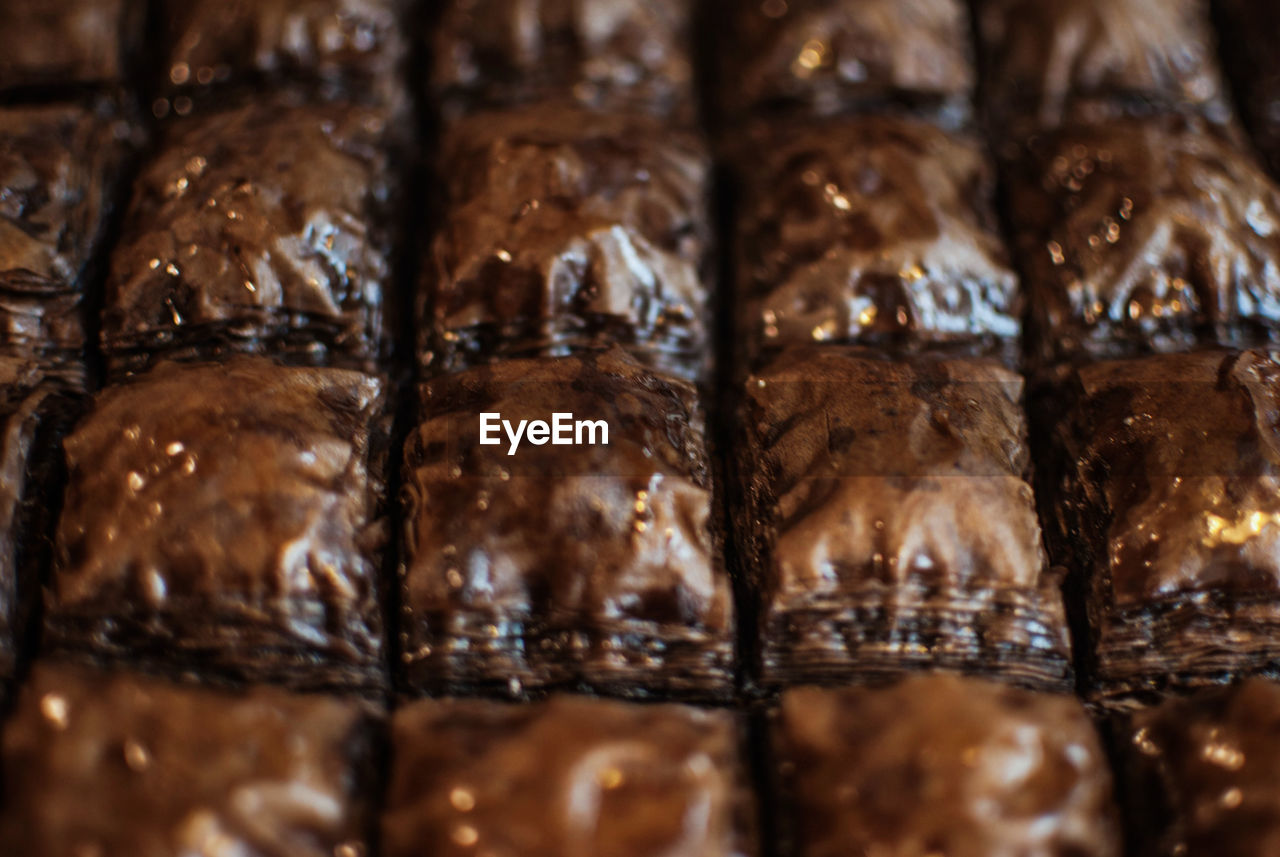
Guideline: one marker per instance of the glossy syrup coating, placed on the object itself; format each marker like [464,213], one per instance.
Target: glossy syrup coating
[562,564]
[1252,29]
[26,395]
[830,56]
[871,229]
[259,229]
[1168,503]
[941,765]
[608,55]
[114,764]
[57,166]
[890,521]
[568,777]
[1145,236]
[64,42]
[1051,63]
[565,227]
[356,47]
[1202,773]
[224,518]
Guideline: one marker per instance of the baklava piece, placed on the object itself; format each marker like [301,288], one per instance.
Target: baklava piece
[611,55]
[587,554]
[570,775]
[564,227]
[888,522]
[223,519]
[67,42]
[1168,506]
[941,765]
[1141,236]
[872,229]
[830,56]
[1202,774]
[1051,63]
[57,181]
[115,764]
[349,47]
[259,229]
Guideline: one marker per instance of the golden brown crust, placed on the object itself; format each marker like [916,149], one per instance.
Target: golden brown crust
[1145,235]
[111,763]
[874,229]
[597,564]
[569,777]
[832,56]
[224,518]
[1094,60]
[564,227]
[1202,773]
[1169,505]
[940,764]
[260,229]
[608,55]
[889,522]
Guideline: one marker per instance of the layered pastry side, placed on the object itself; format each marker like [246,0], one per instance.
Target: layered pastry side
[352,47]
[1144,235]
[1050,64]
[564,228]
[888,522]
[567,561]
[223,520]
[940,765]
[569,777]
[33,408]
[260,229]
[1168,506]
[58,166]
[631,56]
[1252,28]
[67,42]
[1201,774]
[833,56]
[115,764]
[871,229]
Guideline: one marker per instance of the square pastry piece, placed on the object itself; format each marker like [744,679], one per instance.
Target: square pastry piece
[830,56]
[355,47]
[568,777]
[1169,504]
[66,42]
[564,227]
[257,229]
[32,411]
[1145,236]
[564,560]
[941,765]
[614,55]
[1088,60]
[57,166]
[223,520]
[1202,774]
[888,522]
[1252,29]
[112,764]
[871,229]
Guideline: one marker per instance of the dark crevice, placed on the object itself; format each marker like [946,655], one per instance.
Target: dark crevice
[720,399]
[759,759]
